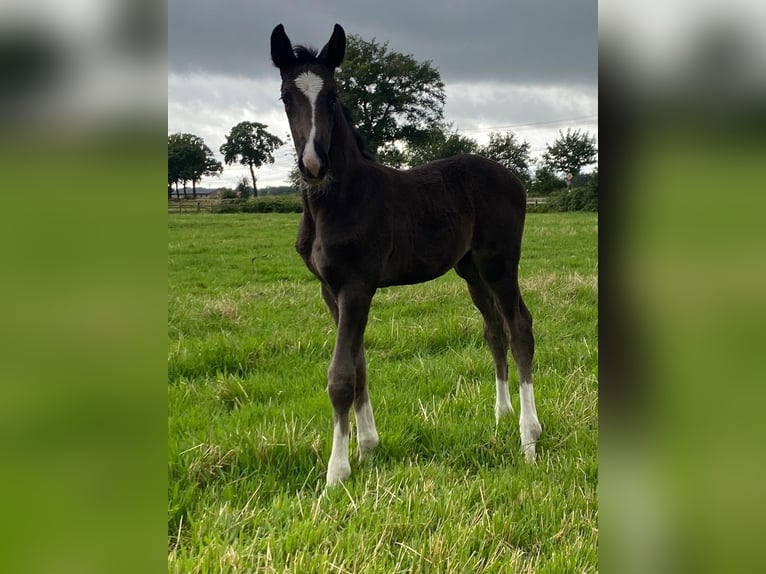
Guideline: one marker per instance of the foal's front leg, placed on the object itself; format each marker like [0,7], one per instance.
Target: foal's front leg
[366,433]
[353,308]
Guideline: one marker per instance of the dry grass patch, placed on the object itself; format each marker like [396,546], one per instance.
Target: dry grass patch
[551,287]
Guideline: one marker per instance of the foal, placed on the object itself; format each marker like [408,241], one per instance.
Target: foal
[366,226]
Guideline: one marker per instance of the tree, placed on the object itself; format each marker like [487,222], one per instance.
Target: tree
[189,159]
[243,188]
[177,152]
[505,149]
[592,192]
[439,144]
[207,166]
[250,144]
[578,199]
[294,177]
[571,152]
[545,182]
[393,97]
[174,164]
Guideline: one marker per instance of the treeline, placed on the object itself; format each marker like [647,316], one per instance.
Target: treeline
[189,158]
[285,199]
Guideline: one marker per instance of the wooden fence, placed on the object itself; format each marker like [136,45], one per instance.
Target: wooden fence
[196,205]
[207,204]
[189,206]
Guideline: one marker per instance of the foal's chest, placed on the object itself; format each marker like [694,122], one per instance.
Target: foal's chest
[336,254]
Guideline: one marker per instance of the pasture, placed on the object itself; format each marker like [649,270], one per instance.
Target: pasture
[250,424]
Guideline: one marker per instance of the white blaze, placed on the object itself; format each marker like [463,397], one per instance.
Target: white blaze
[310,85]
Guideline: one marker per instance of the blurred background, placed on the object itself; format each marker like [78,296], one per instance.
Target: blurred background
[83,288]
[91,65]
[83,236]
[683,143]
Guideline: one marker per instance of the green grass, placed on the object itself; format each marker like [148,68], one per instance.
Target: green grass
[250,424]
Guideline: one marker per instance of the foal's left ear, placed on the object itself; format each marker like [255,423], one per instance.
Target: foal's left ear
[333,52]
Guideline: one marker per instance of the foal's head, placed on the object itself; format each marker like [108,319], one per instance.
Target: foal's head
[310,97]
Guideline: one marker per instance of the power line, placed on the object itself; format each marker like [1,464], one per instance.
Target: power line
[529,124]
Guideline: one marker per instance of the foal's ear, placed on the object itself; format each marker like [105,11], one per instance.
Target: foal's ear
[281,48]
[333,52]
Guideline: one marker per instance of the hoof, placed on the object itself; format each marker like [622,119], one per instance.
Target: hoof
[337,473]
[367,447]
[502,411]
[530,432]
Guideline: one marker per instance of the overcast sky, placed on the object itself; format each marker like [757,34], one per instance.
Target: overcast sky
[529,66]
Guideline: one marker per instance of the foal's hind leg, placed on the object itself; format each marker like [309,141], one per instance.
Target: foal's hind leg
[523,350]
[494,332]
[501,277]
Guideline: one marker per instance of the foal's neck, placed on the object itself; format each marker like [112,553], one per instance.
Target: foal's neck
[344,157]
[344,154]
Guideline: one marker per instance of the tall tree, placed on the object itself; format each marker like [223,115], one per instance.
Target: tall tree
[439,144]
[394,98]
[177,153]
[505,149]
[189,158]
[250,144]
[571,152]
[208,166]
[174,163]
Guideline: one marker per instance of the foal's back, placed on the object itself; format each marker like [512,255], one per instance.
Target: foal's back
[466,184]
[433,214]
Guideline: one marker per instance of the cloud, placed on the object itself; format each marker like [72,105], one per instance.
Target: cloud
[507,64]
[209,105]
[496,105]
[508,40]
[534,112]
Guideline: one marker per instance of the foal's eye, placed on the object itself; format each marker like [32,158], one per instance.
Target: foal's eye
[332,99]
[286,99]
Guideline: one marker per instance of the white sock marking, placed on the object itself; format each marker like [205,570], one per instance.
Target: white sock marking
[310,85]
[366,433]
[503,404]
[529,426]
[338,468]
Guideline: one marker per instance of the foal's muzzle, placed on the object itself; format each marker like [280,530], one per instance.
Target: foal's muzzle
[314,168]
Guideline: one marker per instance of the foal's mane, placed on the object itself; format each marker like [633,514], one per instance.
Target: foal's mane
[358,137]
[306,55]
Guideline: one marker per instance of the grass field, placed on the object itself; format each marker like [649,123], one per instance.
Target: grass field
[250,424]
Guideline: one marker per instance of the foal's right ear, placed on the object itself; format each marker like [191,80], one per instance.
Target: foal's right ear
[281,48]
[333,52]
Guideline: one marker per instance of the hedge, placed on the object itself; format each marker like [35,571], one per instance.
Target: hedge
[267,204]
[579,199]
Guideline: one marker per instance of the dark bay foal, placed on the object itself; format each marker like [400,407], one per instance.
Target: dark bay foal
[367,226]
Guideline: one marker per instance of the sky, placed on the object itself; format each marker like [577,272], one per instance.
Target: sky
[528,66]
